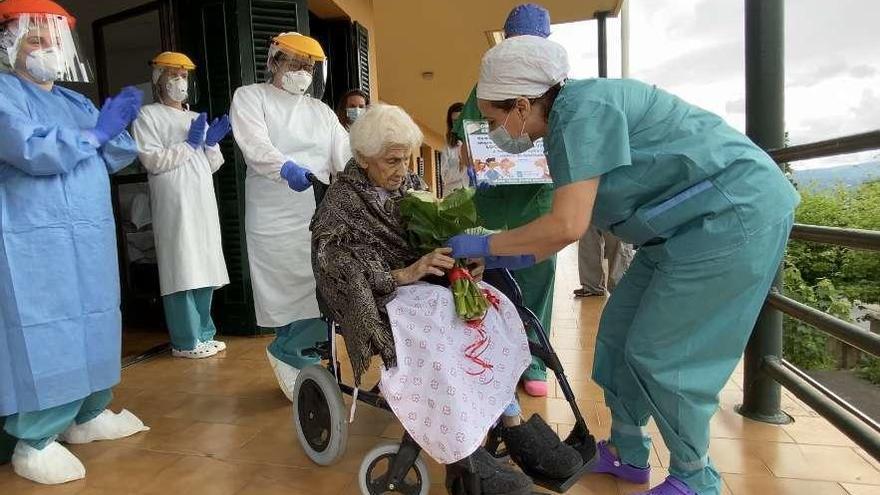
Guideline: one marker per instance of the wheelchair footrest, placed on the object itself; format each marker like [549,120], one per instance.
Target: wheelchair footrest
[562,485]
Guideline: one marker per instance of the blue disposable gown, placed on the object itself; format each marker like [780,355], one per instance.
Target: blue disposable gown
[59,278]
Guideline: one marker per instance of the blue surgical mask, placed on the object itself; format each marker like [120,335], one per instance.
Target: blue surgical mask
[354,113]
[508,143]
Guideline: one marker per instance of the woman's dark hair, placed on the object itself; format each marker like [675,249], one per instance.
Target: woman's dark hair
[546,100]
[451,138]
[340,107]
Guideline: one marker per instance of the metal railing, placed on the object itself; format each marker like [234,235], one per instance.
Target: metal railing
[764,355]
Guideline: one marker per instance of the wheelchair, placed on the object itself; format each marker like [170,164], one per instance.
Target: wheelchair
[321,416]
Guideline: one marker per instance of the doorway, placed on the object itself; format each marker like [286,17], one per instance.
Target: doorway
[124,42]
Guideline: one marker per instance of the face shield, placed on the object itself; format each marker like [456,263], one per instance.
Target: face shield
[45,47]
[300,74]
[174,84]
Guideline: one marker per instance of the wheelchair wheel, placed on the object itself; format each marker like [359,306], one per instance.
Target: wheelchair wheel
[375,468]
[320,415]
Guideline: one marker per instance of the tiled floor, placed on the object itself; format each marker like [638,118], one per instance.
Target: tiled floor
[221,426]
[137,341]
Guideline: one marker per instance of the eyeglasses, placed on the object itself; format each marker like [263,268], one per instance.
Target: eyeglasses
[293,65]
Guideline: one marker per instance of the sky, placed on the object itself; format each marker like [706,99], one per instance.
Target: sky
[695,49]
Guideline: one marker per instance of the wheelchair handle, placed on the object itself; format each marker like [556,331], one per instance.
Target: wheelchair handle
[318,187]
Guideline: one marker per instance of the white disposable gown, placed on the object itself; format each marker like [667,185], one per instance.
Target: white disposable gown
[185,219]
[272,126]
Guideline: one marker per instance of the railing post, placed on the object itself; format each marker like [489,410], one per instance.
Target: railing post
[765,105]
[601,29]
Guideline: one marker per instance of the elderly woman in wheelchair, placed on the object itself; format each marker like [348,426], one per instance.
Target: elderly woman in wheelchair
[447,382]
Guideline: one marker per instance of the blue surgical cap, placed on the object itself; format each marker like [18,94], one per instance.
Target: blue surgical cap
[528,19]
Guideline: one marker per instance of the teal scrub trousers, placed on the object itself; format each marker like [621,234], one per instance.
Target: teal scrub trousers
[669,339]
[295,343]
[509,207]
[39,428]
[188,315]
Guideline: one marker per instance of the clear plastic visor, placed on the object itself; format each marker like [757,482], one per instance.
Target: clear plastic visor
[45,48]
[166,80]
[281,61]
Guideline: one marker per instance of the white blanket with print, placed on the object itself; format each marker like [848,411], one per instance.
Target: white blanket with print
[452,380]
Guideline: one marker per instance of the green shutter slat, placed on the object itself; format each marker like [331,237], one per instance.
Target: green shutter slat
[234,310]
[268,18]
[362,54]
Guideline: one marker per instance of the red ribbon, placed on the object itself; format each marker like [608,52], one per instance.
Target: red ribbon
[459,273]
[494,300]
[477,348]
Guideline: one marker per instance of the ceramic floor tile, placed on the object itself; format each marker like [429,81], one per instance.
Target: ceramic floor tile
[393,432]
[279,447]
[867,457]
[155,403]
[816,431]
[594,484]
[551,409]
[736,457]
[761,485]
[813,462]
[584,389]
[119,467]
[270,480]
[853,489]
[727,423]
[193,475]
[212,439]
[371,421]
[12,484]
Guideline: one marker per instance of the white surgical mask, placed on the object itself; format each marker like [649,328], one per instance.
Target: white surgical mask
[296,82]
[177,89]
[354,113]
[508,143]
[44,65]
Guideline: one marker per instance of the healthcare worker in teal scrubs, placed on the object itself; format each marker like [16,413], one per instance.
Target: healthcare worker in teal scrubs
[709,210]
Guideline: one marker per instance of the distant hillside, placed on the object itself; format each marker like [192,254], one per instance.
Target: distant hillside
[846,175]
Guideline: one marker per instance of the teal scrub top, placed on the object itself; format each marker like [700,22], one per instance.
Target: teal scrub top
[667,168]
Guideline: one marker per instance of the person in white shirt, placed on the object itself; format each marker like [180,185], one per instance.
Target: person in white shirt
[288,137]
[453,173]
[179,150]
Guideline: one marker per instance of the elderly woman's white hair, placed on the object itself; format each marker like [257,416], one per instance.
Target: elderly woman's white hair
[383,127]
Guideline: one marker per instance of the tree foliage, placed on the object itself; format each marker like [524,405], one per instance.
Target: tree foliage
[829,277]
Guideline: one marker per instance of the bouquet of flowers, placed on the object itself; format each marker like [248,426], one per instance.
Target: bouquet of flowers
[430,223]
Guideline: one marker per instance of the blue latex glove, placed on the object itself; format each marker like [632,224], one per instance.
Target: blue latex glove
[298,178]
[510,262]
[218,130]
[117,113]
[196,136]
[469,246]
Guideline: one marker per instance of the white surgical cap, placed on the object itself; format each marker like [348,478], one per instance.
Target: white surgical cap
[521,66]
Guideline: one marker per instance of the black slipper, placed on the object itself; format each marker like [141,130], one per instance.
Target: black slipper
[538,451]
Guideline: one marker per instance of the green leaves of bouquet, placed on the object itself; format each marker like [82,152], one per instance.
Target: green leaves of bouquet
[430,223]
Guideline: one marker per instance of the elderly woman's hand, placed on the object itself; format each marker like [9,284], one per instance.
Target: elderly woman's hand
[433,263]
